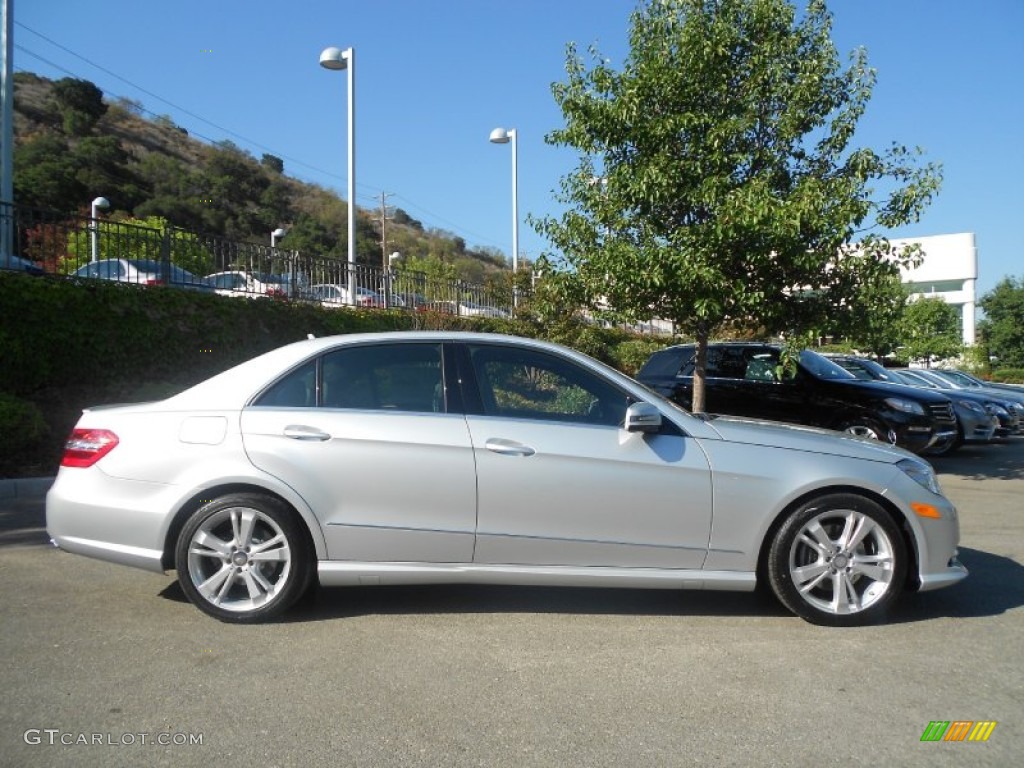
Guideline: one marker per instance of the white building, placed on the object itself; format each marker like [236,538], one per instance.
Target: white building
[948,271]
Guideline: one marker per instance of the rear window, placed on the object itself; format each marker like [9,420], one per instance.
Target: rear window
[667,362]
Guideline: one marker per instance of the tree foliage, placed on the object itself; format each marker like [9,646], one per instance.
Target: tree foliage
[931,330]
[873,321]
[718,182]
[1003,327]
[80,103]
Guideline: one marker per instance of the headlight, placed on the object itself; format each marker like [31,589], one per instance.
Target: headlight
[906,406]
[970,405]
[920,473]
[999,411]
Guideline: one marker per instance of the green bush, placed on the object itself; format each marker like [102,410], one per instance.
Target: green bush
[1008,375]
[66,345]
[25,434]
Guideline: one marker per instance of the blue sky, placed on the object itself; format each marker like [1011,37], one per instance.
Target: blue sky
[433,78]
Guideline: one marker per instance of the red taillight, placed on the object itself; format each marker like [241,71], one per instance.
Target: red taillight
[84,447]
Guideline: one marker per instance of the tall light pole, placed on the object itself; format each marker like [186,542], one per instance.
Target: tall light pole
[99,202]
[6,128]
[335,58]
[501,136]
[276,235]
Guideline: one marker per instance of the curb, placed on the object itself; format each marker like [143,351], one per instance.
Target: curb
[25,487]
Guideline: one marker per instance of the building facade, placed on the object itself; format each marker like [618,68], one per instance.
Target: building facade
[948,271]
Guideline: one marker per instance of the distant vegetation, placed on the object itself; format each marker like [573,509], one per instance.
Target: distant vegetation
[71,146]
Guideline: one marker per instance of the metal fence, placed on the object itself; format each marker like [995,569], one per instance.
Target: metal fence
[78,246]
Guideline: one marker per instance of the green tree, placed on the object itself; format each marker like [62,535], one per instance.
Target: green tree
[272,162]
[874,318]
[931,329]
[1003,327]
[80,103]
[717,183]
[46,174]
[127,237]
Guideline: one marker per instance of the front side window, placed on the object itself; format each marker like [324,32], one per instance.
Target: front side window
[396,377]
[530,384]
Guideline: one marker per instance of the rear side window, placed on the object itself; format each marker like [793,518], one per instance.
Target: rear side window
[296,390]
[388,377]
[667,362]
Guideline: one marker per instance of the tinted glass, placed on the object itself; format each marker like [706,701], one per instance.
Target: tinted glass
[528,384]
[822,367]
[399,377]
[295,390]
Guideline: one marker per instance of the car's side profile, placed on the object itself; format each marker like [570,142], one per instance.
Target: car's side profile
[449,457]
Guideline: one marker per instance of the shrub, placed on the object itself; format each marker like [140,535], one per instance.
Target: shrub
[25,434]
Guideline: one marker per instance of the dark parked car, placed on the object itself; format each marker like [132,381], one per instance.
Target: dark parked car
[978,418]
[742,380]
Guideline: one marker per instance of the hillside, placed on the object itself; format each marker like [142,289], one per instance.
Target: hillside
[72,144]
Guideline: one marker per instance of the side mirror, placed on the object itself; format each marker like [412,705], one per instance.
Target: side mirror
[642,417]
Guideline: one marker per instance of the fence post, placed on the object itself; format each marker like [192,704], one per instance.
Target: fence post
[165,254]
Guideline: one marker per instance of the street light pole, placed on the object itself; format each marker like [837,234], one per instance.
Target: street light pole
[335,58]
[501,136]
[99,202]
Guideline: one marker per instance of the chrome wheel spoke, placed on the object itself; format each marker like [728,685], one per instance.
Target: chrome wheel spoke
[808,577]
[857,527]
[243,523]
[874,567]
[844,596]
[206,544]
[216,585]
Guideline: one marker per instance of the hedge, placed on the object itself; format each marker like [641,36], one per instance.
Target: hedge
[66,345]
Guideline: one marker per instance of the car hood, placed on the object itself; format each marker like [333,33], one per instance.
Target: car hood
[890,389]
[800,438]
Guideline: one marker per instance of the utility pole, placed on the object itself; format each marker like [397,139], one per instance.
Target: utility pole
[385,264]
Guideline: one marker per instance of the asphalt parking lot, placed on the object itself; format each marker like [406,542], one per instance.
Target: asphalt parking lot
[489,676]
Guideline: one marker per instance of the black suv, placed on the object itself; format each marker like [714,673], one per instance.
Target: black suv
[742,380]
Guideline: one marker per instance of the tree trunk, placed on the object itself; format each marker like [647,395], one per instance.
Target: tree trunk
[699,371]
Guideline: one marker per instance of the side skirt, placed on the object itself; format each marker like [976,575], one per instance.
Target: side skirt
[334,573]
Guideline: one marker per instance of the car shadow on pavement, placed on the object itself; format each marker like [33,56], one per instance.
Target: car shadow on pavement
[328,603]
[1001,459]
[995,585]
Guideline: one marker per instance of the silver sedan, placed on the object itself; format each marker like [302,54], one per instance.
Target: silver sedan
[416,458]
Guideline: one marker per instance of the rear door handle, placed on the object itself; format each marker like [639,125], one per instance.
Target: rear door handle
[508,447]
[302,432]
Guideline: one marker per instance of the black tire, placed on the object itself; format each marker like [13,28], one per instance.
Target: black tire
[865,426]
[243,558]
[838,560]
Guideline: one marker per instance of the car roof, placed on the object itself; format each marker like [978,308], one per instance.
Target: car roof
[231,389]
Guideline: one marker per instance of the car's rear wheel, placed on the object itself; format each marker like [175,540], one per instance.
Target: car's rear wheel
[838,560]
[243,558]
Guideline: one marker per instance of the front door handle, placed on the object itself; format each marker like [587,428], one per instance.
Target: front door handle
[508,447]
[302,432]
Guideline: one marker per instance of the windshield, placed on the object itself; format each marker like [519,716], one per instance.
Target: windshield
[823,368]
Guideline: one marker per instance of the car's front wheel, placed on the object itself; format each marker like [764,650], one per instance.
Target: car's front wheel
[838,560]
[243,558]
[869,428]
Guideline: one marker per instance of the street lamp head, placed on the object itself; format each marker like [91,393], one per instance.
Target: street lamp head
[501,136]
[101,202]
[334,58]
[279,232]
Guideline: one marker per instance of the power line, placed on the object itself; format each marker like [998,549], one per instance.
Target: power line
[456,227]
